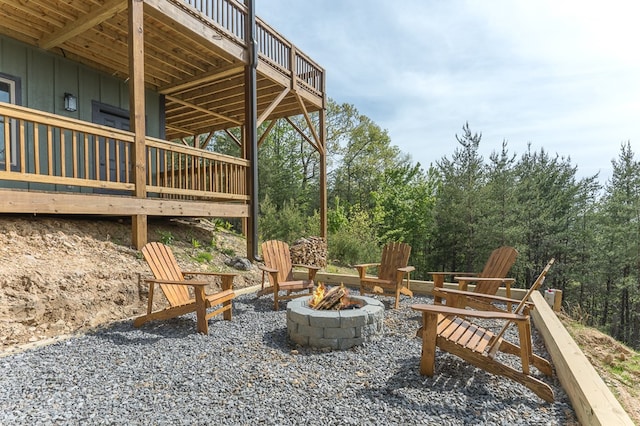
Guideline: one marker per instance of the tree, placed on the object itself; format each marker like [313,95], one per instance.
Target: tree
[361,152]
[498,222]
[621,208]
[404,204]
[459,204]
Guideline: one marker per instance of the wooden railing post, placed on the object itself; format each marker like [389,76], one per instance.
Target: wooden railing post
[137,114]
[292,66]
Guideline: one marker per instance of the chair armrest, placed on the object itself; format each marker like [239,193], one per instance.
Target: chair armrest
[407,269]
[474,295]
[362,269]
[194,283]
[226,277]
[484,279]
[446,310]
[218,274]
[366,265]
[267,269]
[438,276]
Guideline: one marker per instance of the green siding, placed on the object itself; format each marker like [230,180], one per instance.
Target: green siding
[46,77]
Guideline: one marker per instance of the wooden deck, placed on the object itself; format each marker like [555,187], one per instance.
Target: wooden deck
[195,57]
[195,54]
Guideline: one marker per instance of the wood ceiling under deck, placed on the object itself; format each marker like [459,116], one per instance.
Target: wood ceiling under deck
[194,55]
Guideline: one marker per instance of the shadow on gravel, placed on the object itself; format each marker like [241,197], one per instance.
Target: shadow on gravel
[452,376]
[123,333]
[277,339]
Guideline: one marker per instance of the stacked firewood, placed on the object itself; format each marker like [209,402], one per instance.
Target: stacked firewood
[309,251]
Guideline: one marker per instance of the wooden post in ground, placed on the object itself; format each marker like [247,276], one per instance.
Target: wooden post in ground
[137,115]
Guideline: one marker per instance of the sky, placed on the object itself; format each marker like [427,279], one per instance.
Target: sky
[560,75]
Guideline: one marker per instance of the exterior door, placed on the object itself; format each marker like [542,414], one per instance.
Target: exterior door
[113,117]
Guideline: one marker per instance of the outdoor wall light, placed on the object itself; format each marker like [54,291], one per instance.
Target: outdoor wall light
[70,102]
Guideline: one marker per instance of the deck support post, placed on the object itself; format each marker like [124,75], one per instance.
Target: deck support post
[250,129]
[137,115]
[323,173]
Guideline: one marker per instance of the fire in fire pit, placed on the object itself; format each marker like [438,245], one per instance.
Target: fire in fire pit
[336,298]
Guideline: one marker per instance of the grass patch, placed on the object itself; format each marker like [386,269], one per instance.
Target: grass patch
[203,257]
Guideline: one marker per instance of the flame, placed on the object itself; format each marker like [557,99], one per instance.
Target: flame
[318,294]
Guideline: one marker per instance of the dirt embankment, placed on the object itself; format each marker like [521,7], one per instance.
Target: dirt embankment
[61,275]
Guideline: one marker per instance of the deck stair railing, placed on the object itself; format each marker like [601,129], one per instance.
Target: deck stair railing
[66,154]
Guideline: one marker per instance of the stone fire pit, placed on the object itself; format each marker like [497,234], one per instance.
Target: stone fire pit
[335,329]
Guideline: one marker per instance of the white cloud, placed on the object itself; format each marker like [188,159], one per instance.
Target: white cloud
[560,74]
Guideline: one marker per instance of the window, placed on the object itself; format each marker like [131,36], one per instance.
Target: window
[8,94]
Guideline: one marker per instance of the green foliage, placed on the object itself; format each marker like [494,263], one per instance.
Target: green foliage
[356,241]
[203,257]
[337,217]
[228,251]
[195,243]
[404,204]
[620,214]
[166,237]
[286,224]
[361,152]
[223,225]
[459,205]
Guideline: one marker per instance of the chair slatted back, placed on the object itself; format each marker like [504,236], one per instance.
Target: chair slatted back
[394,255]
[520,308]
[498,265]
[276,255]
[165,267]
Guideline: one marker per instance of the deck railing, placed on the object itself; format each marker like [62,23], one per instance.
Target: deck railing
[44,148]
[183,172]
[273,49]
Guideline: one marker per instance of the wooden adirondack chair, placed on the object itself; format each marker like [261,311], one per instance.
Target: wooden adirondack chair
[277,264]
[492,277]
[448,329]
[175,287]
[392,270]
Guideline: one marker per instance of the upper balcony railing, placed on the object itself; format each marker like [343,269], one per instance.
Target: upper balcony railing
[37,147]
[231,16]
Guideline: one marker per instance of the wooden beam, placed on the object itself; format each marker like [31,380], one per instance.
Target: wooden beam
[233,137]
[272,106]
[299,130]
[100,204]
[173,15]
[79,26]
[267,131]
[137,114]
[592,401]
[177,129]
[309,122]
[206,141]
[206,78]
[204,110]
[324,206]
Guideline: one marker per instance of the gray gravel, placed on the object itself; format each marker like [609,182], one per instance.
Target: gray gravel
[246,372]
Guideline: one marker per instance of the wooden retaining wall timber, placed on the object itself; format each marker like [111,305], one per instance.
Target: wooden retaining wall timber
[591,399]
